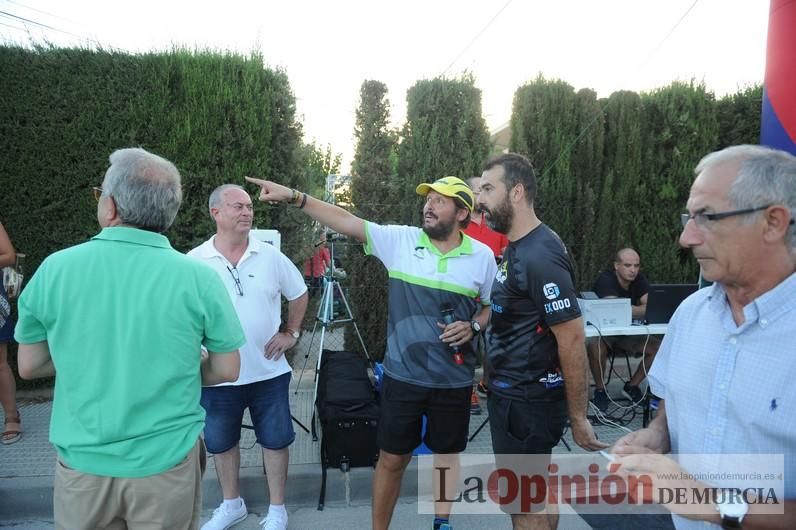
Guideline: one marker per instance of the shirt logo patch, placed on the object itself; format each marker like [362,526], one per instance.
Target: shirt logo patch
[551,291]
[501,273]
[553,380]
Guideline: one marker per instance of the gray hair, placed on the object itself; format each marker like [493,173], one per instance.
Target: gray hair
[217,194]
[145,187]
[766,176]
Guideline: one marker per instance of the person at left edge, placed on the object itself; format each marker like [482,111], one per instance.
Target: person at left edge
[256,276]
[120,321]
[430,268]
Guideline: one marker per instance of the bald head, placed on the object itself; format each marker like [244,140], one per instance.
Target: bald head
[626,254]
[626,265]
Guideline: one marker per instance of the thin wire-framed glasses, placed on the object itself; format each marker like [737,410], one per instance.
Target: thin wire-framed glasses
[235,276]
[97,193]
[703,219]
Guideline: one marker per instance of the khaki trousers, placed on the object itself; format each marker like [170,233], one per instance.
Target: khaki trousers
[169,500]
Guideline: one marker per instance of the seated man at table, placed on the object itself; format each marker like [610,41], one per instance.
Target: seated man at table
[625,281]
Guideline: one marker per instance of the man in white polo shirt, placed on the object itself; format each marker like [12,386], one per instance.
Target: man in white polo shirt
[428,365]
[256,276]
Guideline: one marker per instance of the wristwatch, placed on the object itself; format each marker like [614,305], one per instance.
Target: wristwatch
[732,509]
[475,326]
[293,333]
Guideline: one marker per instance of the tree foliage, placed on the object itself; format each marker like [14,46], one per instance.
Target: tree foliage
[622,177]
[444,134]
[681,127]
[562,133]
[371,184]
[739,116]
[217,116]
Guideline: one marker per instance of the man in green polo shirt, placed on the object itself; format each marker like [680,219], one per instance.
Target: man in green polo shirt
[121,320]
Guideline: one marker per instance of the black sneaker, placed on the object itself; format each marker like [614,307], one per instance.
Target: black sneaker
[601,400]
[633,393]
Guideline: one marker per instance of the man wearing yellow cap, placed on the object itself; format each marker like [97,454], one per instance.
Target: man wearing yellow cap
[428,365]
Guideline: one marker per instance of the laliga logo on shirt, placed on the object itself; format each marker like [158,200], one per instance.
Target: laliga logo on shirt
[502,273]
[551,291]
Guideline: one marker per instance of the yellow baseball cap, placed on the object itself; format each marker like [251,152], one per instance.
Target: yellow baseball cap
[450,187]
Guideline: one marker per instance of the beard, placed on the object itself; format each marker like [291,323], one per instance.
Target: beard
[500,217]
[442,230]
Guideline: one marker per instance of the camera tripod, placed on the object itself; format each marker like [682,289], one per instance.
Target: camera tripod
[325,319]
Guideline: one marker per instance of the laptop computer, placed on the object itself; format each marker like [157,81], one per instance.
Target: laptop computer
[663,299]
[606,312]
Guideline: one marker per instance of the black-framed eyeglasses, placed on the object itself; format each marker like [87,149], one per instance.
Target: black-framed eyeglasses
[235,276]
[702,219]
[97,192]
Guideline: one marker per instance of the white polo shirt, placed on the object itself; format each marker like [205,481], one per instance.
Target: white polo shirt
[265,274]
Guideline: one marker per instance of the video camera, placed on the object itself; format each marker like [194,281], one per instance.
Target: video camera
[332,237]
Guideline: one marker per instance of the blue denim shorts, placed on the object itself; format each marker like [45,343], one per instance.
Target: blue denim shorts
[268,406]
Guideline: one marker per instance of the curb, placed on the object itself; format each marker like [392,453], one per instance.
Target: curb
[23,498]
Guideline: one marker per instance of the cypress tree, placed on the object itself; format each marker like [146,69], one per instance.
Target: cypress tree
[372,173]
[622,177]
[681,127]
[444,134]
[561,132]
[739,117]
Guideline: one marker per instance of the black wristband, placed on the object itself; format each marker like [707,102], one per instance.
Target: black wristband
[303,201]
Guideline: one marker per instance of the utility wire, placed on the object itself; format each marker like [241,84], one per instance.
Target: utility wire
[14,27]
[20,4]
[666,37]
[588,126]
[472,41]
[35,23]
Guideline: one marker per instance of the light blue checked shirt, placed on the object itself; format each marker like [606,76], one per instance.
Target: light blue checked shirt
[731,389]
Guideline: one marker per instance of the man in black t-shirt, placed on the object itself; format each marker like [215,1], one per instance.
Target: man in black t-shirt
[625,281]
[535,341]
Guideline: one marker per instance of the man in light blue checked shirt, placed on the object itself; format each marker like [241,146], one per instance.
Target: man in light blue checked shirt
[726,367]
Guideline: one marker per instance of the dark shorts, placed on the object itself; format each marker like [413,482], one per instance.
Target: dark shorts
[403,406]
[269,408]
[526,427]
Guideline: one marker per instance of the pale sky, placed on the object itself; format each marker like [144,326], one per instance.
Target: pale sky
[328,48]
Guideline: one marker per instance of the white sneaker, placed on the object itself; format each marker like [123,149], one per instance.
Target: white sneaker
[224,518]
[274,522]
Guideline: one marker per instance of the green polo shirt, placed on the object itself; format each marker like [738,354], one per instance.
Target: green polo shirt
[125,316]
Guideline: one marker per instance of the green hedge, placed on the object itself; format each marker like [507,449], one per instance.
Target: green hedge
[445,134]
[617,172]
[217,116]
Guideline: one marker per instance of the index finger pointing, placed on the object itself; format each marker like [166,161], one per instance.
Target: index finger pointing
[259,182]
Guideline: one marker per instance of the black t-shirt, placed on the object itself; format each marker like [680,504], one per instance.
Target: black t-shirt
[533,289]
[607,284]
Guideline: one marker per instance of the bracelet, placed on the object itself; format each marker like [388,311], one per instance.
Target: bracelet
[303,201]
[293,196]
